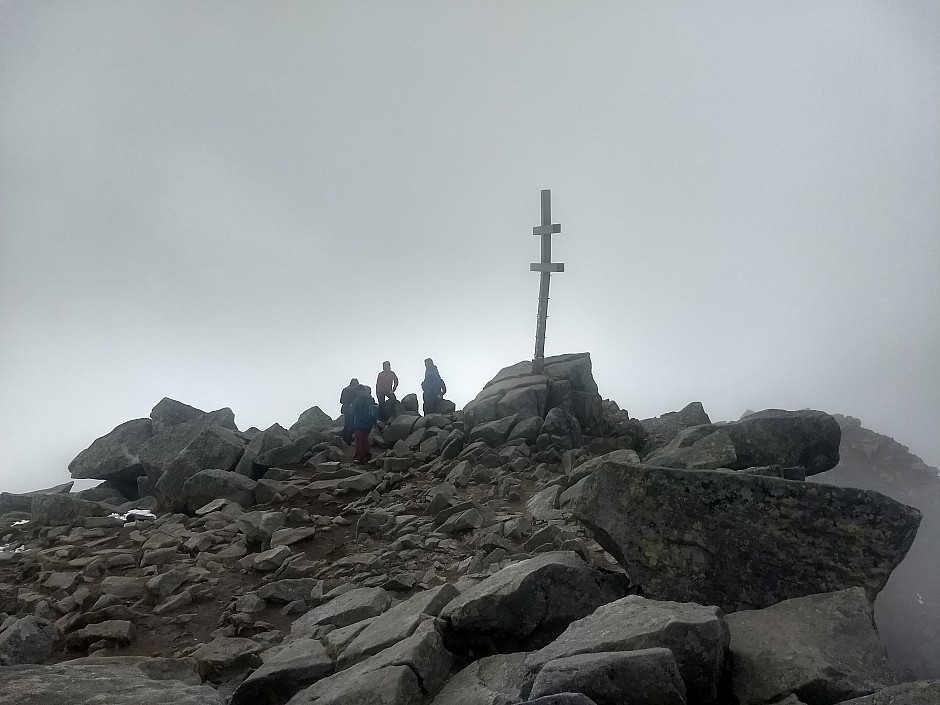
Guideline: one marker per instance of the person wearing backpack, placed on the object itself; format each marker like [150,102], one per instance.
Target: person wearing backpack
[365,412]
[433,387]
[345,400]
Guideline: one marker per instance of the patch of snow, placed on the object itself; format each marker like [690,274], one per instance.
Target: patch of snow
[920,599]
[20,522]
[136,513]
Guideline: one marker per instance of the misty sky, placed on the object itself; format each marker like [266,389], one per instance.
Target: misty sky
[245,204]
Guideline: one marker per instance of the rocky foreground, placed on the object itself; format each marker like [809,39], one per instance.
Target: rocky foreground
[539,547]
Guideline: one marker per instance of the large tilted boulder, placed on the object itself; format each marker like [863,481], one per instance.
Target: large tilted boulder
[169,412]
[99,683]
[28,640]
[64,509]
[541,595]
[742,541]
[207,485]
[214,448]
[822,648]
[114,456]
[156,453]
[806,439]
[566,382]
[493,680]
[696,635]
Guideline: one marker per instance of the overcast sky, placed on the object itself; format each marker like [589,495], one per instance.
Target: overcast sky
[246,204]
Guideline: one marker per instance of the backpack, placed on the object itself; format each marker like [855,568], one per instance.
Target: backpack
[373,413]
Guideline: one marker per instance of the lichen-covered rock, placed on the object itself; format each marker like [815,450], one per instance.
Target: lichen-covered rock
[696,635]
[742,541]
[102,684]
[915,693]
[822,648]
[542,594]
[27,640]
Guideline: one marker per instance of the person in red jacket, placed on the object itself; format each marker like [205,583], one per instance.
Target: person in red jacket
[385,385]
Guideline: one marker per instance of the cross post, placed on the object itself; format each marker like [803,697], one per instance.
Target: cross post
[545,269]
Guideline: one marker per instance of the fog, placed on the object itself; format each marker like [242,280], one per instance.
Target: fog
[246,204]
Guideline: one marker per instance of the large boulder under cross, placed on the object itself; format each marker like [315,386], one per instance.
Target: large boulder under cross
[567,382]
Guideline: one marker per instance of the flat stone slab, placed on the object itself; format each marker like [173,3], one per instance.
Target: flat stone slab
[341,611]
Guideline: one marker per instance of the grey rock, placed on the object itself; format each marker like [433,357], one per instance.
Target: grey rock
[259,527]
[115,455]
[774,437]
[289,669]
[287,590]
[662,429]
[423,653]
[697,448]
[271,559]
[542,594]
[313,419]
[275,436]
[206,485]
[119,631]
[563,428]
[916,693]
[641,677]
[544,504]
[214,448]
[493,433]
[227,655]
[113,683]
[742,541]
[399,428]
[348,608]
[822,648]
[493,680]
[697,636]
[397,624]
[561,699]
[169,442]
[291,453]
[409,403]
[527,429]
[169,412]
[64,510]
[28,640]
[392,685]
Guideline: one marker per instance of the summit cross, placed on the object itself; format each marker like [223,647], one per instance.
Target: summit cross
[545,269]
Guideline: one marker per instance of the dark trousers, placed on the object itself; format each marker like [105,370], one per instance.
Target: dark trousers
[430,403]
[347,426]
[363,449]
[383,407]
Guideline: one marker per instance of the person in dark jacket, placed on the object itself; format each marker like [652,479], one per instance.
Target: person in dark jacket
[433,387]
[364,412]
[345,399]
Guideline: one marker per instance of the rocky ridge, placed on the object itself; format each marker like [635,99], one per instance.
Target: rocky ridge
[459,566]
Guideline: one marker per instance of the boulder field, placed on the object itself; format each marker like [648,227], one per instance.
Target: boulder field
[538,547]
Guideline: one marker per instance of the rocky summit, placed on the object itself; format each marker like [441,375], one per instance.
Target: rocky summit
[539,546]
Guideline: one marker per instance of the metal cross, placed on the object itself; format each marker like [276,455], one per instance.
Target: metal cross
[545,267]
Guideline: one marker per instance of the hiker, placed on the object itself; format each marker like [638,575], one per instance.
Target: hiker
[364,412]
[385,385]
[433,386]
[345,399]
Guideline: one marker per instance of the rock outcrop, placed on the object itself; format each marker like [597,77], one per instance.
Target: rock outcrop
[742,541]
[265,567]
[567,383]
